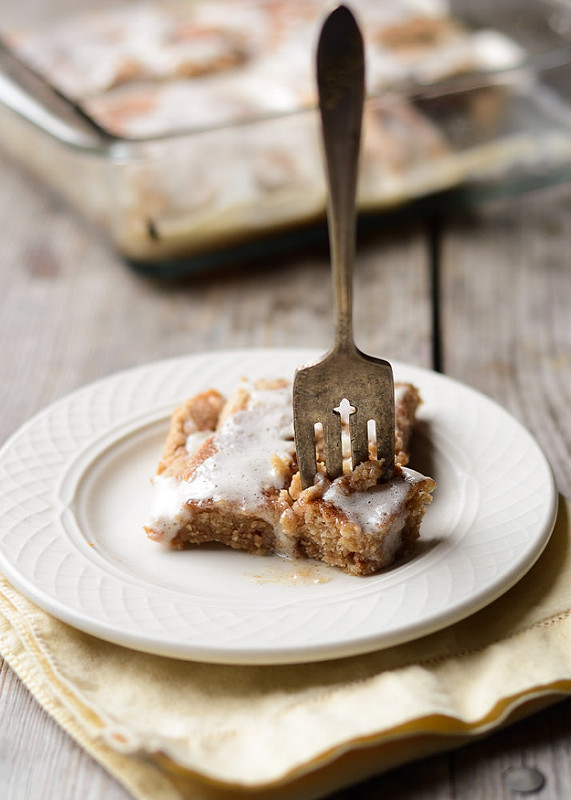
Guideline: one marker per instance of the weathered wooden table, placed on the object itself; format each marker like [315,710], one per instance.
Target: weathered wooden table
[484,296]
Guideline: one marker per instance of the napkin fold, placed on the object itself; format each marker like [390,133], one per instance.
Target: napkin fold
[170,729]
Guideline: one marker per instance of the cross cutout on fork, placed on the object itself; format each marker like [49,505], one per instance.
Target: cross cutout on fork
[345,409]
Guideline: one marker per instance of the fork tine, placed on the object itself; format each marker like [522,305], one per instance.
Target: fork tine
[385,439]
[333,445]
[305,448]
[359,438]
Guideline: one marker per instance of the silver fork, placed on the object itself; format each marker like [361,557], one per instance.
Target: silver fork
[345,373]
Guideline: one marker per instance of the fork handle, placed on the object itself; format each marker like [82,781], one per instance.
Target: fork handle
[341,87]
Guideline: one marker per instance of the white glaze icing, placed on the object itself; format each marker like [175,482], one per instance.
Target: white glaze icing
[376,507]
[196,440]
[241,469]
[168,513]
[400,392]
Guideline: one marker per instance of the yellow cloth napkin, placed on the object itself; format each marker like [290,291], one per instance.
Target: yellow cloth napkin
[169,729]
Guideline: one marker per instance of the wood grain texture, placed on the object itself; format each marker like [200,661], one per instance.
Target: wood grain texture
[38,759]
[506,300]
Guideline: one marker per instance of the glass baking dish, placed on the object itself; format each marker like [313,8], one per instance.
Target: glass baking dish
[447,130]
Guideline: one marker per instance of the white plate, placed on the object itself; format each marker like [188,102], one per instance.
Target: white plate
[75,493]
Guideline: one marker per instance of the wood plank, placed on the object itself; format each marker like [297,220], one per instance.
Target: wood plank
[543,743]
[506,295]
[481,771]
[38,759]
[505,299]
[76,312]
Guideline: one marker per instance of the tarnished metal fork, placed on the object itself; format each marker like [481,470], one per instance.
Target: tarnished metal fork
[345,373]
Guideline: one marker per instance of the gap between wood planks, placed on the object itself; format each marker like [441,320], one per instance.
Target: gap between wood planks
[434,234]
